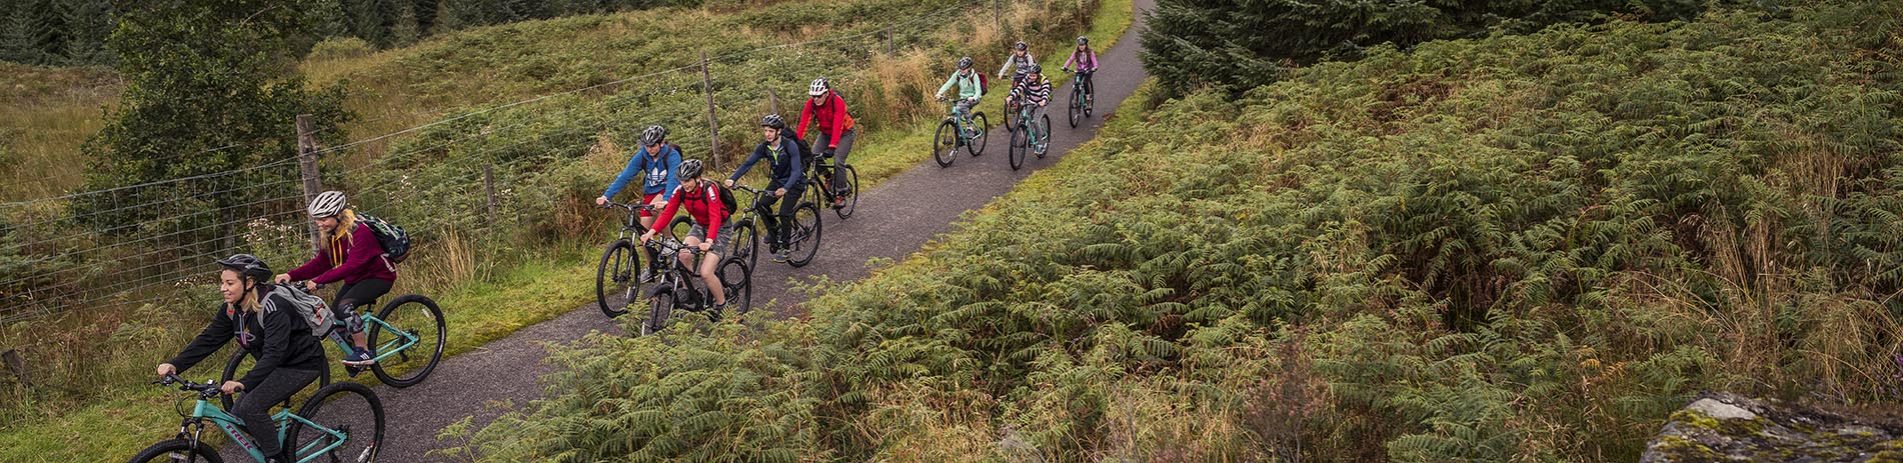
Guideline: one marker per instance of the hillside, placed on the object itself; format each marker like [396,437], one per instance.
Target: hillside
[1528,248]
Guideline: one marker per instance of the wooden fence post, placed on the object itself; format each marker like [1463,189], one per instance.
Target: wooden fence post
[713,123]
[773,101]
[17,365]
[307,168]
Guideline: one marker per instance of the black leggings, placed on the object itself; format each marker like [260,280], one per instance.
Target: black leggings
[776,232]
[360,294]
[253,409]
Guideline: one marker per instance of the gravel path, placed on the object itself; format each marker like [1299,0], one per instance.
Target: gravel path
[892,221]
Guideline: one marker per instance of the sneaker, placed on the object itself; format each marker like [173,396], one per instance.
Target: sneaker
[647,275]
[839,201]
[357,361]
[779,257]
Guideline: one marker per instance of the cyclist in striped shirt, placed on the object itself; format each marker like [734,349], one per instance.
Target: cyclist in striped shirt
[1031,95]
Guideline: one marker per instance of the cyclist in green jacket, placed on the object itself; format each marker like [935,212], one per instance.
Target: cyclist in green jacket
[970,89]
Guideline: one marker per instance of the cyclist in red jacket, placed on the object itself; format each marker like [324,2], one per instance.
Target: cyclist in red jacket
[835,127]
[711,232]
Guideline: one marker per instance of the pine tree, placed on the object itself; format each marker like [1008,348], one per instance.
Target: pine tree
[88,24]
[403,28]
[16,33]
[326,19]
[369,21]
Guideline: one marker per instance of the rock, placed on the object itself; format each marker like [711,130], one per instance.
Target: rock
[1720,426]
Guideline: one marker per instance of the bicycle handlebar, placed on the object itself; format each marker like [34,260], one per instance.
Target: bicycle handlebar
[207,390]
[630,207]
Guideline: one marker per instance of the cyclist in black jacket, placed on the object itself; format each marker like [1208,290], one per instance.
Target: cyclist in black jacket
[288,356]
[786,186]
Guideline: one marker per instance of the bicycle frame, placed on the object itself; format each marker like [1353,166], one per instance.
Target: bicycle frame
[403,341]
[205,411]
[963,122]
[682,277]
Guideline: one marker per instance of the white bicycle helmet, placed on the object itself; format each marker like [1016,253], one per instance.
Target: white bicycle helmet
[818,88]
[327,204]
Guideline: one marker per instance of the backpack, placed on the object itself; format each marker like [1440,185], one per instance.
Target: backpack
[395,241]
[726,198]
[806,151]
[984,83]
[305,306]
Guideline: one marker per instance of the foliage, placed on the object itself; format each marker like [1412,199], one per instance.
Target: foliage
[1524,248]
[1222,44]
[56,32]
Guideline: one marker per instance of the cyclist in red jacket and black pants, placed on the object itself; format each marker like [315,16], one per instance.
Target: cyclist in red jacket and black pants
[835,127]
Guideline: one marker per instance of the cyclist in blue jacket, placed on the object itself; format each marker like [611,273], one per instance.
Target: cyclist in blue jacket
[654,162]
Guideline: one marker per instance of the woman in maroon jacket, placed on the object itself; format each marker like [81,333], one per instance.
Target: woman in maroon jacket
[350,254]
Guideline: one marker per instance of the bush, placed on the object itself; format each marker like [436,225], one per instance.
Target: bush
[340,48]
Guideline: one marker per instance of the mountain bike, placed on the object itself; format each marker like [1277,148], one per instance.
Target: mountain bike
[1032,136]
[343,422]
[824,181]
[408,334]
[803,239]
[676,288]
[955,132]
[1082,100]
[616,273]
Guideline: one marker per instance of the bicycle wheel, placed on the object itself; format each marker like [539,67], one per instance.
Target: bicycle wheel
[746,242]
[616,278]
[944,143]
[349,409]
[1019,144]
[737,278]
[177,450]
[242,361]
[1076,107]
[805,231]
[679,227]
[660,311]
[1043,136]
[847,180]
[977,145]
[1008,126]
[414,315]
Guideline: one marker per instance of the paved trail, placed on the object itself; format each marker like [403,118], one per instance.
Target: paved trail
[893,220]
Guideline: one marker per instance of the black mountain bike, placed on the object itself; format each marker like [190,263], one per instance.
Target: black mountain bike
[676,287]
[1082,101]
[616,277]
[825,182]
[804,230]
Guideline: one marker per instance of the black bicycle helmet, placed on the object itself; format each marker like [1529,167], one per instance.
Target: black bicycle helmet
[654,134]
[690,168]
[1082,40]
[1035,69]
[964,63]
[247,265]
[774,121]
[1021,46]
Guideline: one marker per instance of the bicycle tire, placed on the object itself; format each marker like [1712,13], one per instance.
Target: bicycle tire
[945,143]
[168,451]
[1076,107]
[1044,146]
[851,177]
[737,279]
[1019,144]
[399,315]
[807,219]
[984,134]
[237,361]
[616,276]
[322,409]
[746,242]
[660,311]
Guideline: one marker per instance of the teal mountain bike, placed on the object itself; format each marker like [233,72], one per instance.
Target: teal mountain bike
[343,422]
[956,132]
[408,335]
[1031,135]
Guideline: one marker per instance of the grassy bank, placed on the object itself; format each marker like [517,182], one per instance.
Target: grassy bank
[1520,248]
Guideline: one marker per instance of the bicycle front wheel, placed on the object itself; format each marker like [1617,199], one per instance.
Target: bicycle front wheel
[660,311]
[409,316]
[945,143]
[1020,142]
[737,278]
[805,234]
[977,145]
[178,450]
[1076,104]
[243,361]
[615,278]
[345,421]
[1043,136]
[746,242]
[847,180]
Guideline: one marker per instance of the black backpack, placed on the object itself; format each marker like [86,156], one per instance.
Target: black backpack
[726,197]
[395,241]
